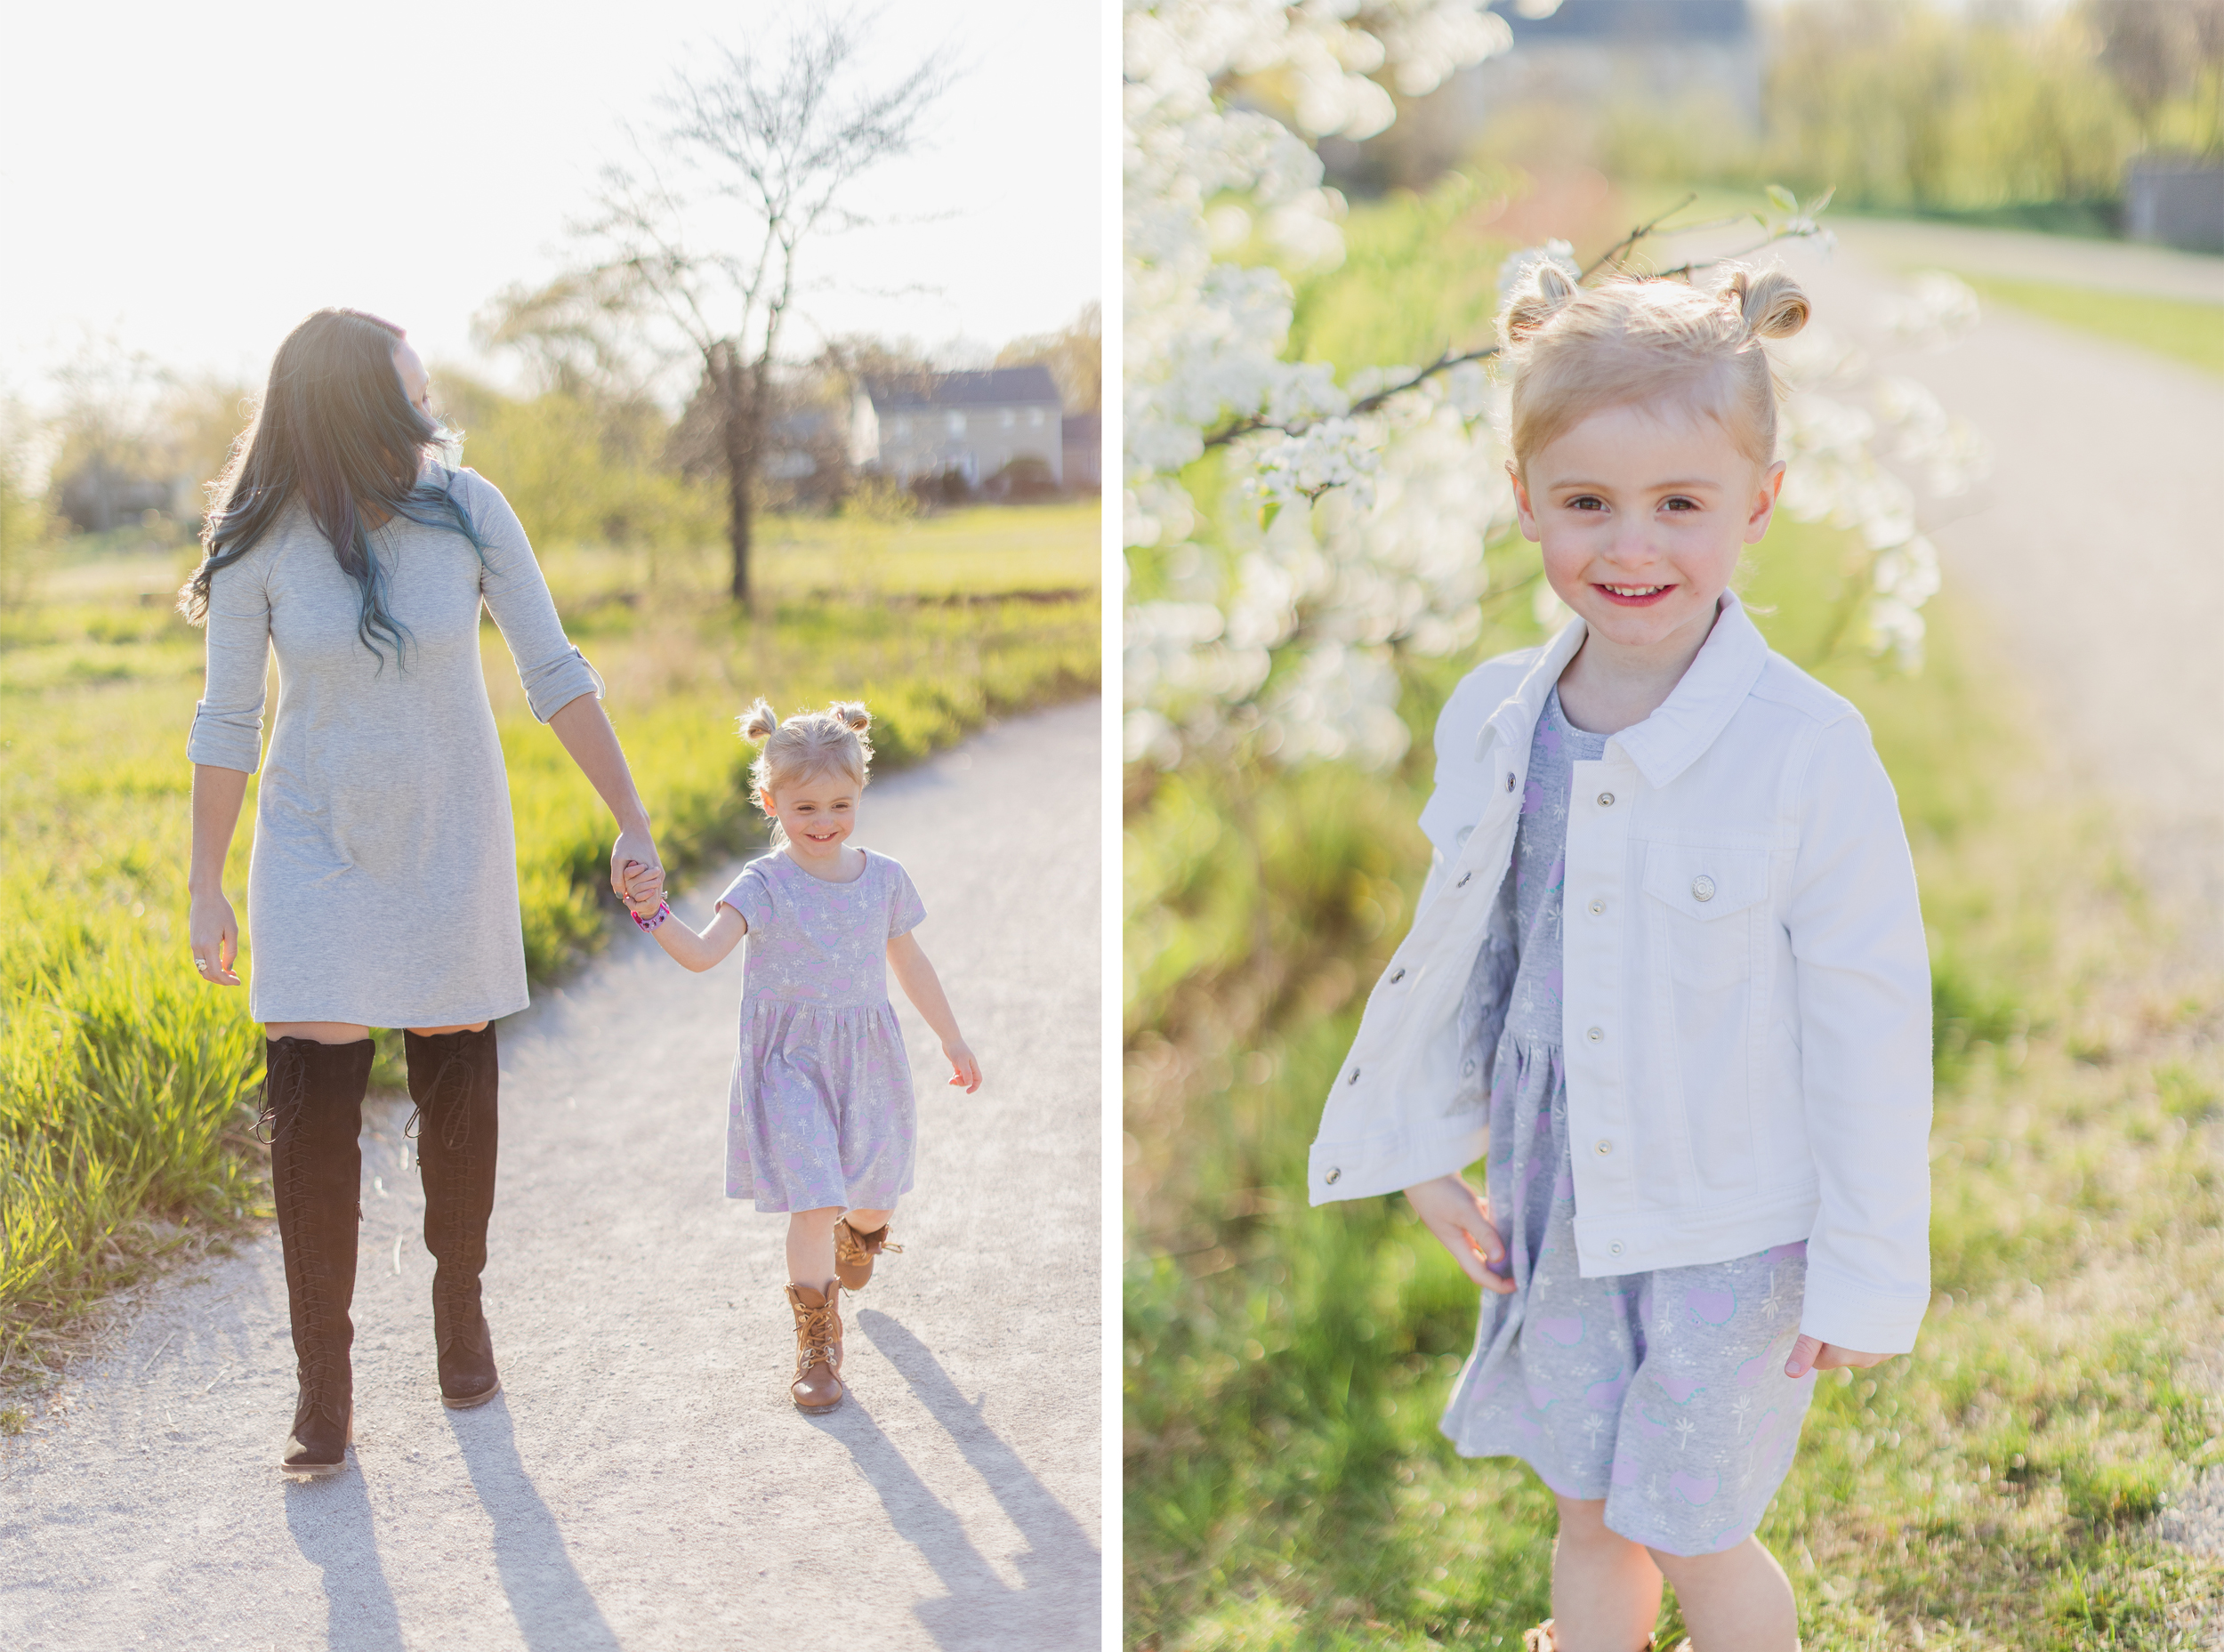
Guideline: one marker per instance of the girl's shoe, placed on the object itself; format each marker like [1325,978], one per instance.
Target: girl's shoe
[854,1253]
[818,1385]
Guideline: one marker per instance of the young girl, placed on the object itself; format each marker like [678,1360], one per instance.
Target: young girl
[820,1121]
[1668,968]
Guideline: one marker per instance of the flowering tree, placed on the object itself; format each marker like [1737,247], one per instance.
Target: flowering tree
[1376,487]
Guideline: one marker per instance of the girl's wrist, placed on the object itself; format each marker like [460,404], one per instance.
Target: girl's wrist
[663,911]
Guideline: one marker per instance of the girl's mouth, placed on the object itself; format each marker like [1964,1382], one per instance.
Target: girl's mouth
[1633,596]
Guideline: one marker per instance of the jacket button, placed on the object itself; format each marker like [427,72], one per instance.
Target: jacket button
[1605,800]
[1598,906]
[1597,1035]
[1354,1078]
[1333,1176]
[1614,1249]
[1703,887]
[1604,1146]
[1398,977]
[1464,876]
[1510,783]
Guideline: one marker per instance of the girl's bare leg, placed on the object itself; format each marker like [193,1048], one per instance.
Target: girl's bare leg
[1738,1600]
[810,1246]
[1606,1589]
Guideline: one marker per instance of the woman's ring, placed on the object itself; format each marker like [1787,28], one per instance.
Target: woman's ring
[200,963]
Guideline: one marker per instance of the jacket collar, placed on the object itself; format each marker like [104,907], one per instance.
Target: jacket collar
[1697,711]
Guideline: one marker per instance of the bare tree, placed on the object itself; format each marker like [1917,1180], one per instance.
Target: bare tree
[758,157]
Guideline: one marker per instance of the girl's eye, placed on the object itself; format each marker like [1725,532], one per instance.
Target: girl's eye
[1586,502]
[1679,503]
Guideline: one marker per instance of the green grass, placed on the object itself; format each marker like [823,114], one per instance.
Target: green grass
[126,1086]
[2183,329]
[1286,1487]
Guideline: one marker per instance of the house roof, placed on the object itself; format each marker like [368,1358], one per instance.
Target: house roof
[994,387]
[1611,22]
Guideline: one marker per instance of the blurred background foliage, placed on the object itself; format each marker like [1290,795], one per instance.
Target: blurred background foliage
[1994,111]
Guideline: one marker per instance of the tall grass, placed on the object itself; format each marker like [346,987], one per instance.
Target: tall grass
[128,1086]
[1286,1487]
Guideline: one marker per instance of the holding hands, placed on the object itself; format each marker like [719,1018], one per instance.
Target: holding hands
[641,886]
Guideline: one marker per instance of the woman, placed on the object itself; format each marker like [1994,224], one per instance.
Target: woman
[383,881]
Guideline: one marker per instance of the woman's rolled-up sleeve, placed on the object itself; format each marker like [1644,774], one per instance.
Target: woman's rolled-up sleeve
[553,672]
[228,722]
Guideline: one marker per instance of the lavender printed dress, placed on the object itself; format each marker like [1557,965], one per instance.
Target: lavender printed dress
[821,1111]
[1663,1392]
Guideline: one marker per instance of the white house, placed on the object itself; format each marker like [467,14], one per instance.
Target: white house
[975,423]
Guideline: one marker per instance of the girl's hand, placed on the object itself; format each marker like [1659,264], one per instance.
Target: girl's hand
[965,1069]
[215,935]
[1460,1218]
[641,887]
[1812,1354]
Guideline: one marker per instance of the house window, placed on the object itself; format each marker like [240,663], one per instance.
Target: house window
[1035,418]
[1008,418]
[957,425]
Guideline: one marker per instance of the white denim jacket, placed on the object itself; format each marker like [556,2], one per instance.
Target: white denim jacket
[1746,994]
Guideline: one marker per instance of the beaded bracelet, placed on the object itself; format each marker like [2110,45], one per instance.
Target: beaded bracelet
[662,911]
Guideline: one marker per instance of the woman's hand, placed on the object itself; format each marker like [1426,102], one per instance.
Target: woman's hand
[964,1068]
[1460,1218]
[634,847]
[641,887]
[215,933]
[1813,1354]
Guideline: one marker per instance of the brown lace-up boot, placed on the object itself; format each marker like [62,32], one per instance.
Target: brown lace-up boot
[818,1385]
[854,1253]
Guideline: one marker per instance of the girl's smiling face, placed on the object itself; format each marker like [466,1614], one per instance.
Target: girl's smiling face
[818,814]
[1641,512]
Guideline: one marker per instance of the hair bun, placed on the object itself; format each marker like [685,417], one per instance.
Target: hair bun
[1543,288]
[850,714]
[759,723]
[1770,303]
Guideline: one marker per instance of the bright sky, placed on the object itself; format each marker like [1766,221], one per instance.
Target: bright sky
[192,179]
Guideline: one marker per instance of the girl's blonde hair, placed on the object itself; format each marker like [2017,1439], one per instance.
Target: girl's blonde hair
[805,746]
[1576,351]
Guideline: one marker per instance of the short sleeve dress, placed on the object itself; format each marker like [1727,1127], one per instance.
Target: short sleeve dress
[820,1113]
[383,885]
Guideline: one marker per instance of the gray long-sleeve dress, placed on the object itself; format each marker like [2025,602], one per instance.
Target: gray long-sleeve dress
[382,889]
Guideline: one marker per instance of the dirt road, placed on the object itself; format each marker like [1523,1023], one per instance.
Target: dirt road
[643,1482]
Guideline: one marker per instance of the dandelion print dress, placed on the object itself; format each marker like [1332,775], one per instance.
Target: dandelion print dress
[821,1111]
[1662,1393]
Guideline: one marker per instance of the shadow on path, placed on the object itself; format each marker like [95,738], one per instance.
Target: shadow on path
[548,1598]
[331,1524]
[1059,1603]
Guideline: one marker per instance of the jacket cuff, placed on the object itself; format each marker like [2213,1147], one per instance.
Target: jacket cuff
[1359,1170]
[1843,1312]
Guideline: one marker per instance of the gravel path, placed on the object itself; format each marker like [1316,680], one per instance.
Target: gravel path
[643,1480]
[2094,543]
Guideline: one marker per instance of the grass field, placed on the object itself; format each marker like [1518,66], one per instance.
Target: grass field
[125,1084]
[2183,328]
[1285,1485]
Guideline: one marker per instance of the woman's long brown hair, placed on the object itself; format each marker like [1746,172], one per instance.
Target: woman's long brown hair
[336,431]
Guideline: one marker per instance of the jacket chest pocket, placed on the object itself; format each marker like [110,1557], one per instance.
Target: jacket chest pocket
[1702,902]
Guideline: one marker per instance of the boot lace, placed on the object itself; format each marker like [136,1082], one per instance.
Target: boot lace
[853,1248]
[816,1331]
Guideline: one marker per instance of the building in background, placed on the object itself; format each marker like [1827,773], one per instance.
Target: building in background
[2178,200]
[1084,451]
[1000,427]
